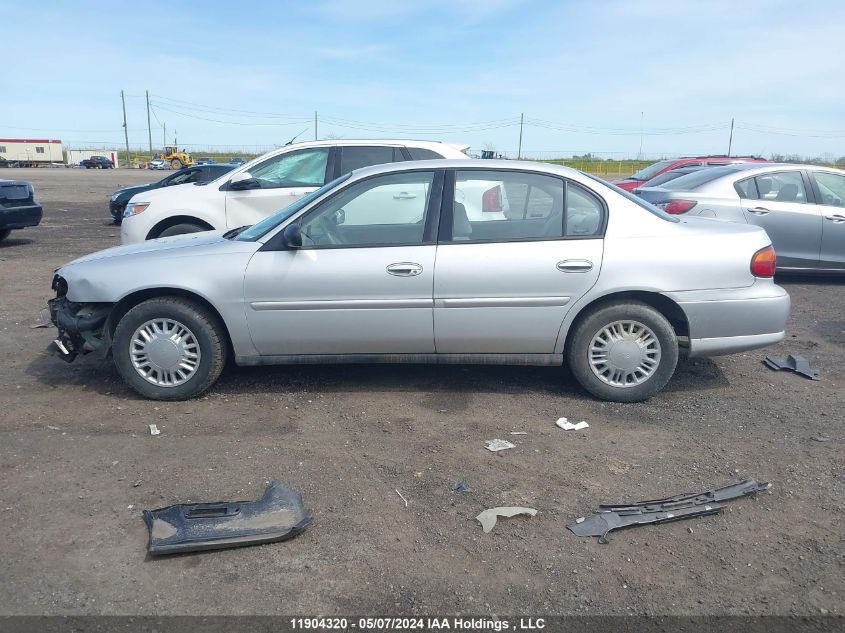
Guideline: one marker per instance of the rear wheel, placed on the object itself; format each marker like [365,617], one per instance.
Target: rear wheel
[179,229]
[623,352]
[169,348]
[176,163]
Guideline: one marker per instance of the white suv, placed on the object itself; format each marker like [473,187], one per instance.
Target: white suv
[266,184]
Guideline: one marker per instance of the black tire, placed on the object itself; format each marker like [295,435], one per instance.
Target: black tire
[590,325]
[176,164]
[4,234]
[180,229]
[206,328]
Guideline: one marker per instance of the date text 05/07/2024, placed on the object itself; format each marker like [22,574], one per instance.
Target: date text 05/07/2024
[418,624]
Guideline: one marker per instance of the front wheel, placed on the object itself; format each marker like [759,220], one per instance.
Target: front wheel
[169,348]
[176,164]
[623,352]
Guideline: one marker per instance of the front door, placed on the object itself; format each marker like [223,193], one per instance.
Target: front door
[781,205]
[281,180]
[503,286]
[362,281]
[830,189]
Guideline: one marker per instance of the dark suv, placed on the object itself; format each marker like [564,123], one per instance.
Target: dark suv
[196,174]
[18,208]
[97,162]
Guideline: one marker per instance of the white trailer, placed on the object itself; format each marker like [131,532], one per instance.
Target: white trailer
[27,152]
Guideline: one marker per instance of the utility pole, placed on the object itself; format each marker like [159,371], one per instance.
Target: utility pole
[731,137]
[149,128]
[521,120]
[640,153]
[315,125]
[125,129]
[164,135]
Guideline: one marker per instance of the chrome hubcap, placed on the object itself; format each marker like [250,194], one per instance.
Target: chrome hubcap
[624,353]
[164,352]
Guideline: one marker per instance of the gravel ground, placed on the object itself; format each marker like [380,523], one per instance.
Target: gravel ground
[78,465]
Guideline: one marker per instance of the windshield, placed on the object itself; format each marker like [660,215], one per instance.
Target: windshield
[268,224]
[698,178]
[636,200]
[651,170]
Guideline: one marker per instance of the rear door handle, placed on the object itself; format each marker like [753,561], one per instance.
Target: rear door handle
[575,266]
[835,218]
[759,211]
[404,196]
[404,269]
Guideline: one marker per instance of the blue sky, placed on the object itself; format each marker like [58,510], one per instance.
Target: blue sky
[250,75]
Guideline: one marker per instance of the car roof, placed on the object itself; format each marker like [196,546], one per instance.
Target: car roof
[379,141]
[468,164]
[753,169]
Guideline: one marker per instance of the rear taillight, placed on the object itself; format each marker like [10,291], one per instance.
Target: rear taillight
[764,262]
[676,207]
[491,200]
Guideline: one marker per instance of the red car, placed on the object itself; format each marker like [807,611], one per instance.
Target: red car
[632,182]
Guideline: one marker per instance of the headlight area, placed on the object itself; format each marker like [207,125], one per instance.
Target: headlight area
[134,208]
[81,325]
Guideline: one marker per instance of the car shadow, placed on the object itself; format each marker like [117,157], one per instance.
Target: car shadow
[11,242]
[458,380]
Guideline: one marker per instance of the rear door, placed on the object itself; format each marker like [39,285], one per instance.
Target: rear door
[781,203]
[281,180]
[830,195]
[504,286]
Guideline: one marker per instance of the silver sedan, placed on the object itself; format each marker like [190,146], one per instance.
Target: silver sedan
[802,208]
[385,265]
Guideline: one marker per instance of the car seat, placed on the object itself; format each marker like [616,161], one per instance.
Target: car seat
[787,193]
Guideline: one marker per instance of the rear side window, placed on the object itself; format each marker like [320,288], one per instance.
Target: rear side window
[583,212]
[352,158]
[784,186]
[419,153]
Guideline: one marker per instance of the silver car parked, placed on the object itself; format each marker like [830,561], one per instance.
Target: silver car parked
[802,208]
[577,270]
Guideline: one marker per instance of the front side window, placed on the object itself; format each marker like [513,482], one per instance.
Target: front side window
[305,168]
[784,186]
[831,187]
[355,157]
[504,205]
[387,210]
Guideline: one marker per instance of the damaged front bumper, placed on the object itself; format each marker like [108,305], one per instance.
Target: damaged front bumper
[81,326]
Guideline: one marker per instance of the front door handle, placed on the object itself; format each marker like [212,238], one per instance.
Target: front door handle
[575,266]
[404,269]
[759,211]
[835,218]
[404,196]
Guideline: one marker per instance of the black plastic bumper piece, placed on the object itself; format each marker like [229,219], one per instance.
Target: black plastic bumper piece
[614,516]
[278,515]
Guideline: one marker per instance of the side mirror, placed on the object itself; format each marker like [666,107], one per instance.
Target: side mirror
[243,181]
[292,235]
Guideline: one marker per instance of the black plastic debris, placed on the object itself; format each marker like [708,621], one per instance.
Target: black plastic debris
[191,527]
[798,364]
[614,516]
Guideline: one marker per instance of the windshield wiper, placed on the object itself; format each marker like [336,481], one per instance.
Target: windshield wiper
[235,232]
